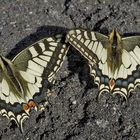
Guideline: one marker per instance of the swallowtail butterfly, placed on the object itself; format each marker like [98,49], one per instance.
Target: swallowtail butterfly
[21,79]
[114,61]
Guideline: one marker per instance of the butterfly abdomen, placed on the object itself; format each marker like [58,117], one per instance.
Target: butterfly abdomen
[114,51]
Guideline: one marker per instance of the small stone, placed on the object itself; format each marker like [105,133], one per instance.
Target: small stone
[74,102]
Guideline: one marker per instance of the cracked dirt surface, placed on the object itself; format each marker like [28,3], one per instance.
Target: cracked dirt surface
[73,112]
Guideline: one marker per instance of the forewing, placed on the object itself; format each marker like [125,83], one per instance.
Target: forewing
[90,44]
[46,55]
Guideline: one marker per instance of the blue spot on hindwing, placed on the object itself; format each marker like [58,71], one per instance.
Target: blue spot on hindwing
[118,82]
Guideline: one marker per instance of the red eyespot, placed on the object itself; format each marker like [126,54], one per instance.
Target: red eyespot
[26,107]
[111,83]
[31,104]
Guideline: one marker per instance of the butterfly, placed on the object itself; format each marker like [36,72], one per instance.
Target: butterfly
[22,78]
[114,61]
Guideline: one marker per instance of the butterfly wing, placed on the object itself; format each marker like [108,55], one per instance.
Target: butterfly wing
[94,47]
[29,68]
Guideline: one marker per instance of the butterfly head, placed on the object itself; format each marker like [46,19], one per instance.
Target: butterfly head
[1,63]
[1,66]
[115,39]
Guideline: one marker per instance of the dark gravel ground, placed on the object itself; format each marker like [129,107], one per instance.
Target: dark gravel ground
[73,112]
